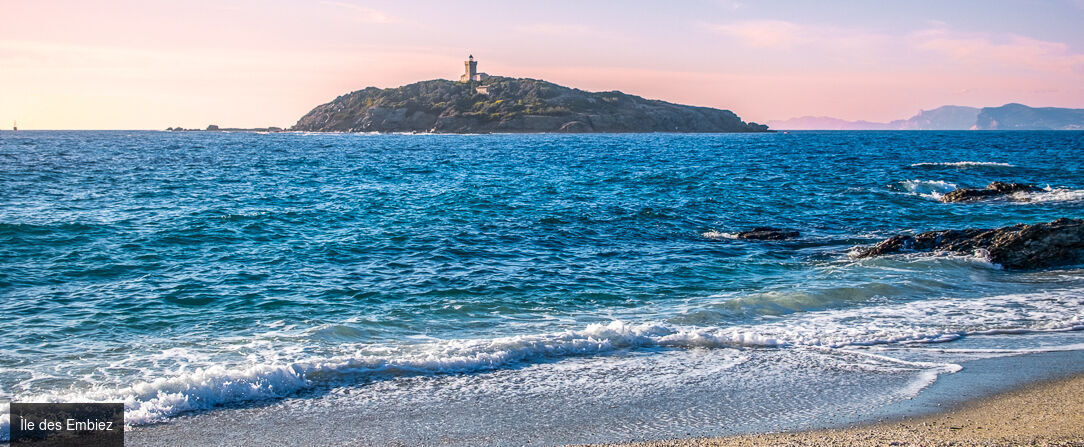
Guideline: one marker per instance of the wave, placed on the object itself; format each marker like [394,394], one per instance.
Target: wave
[965,164]
[719,235]
[931,259]
[935,189]
[1049,194]
[929,321]
[930,189]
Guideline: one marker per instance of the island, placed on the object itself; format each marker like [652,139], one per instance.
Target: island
[480,103]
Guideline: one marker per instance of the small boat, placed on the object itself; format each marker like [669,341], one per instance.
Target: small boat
[14,125]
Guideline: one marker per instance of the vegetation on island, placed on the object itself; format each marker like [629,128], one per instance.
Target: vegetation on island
[502,104]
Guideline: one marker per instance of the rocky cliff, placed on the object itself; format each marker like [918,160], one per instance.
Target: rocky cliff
[500,104]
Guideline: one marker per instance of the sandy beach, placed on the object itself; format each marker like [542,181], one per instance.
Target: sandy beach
[1048,413]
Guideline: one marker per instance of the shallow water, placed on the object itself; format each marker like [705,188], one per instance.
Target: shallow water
[182,272]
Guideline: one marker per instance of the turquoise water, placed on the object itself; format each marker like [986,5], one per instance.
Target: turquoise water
[182,272]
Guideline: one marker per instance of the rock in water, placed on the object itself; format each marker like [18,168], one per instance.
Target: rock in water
[992,190]
[768,234]
[1017,247]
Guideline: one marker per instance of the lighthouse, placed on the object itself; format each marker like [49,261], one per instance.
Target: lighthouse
[471,71]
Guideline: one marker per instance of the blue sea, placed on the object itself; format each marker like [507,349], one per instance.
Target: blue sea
[487,285]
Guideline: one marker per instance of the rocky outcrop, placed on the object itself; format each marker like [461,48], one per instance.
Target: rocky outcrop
[768,234]
[1060,242]
[510,105]
[994,189]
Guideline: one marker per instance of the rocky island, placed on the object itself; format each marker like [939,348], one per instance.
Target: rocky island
[479,103]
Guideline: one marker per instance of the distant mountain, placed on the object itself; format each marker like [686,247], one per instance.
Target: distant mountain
[1020,117]
[502,104]
[825,123]
[941,118]
[1006,117]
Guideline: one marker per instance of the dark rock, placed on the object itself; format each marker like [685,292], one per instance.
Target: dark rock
[511,105]
[994,189]
[1018,247]
[212,127]
[768,234]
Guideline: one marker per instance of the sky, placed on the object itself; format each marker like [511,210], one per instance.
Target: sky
[149,64]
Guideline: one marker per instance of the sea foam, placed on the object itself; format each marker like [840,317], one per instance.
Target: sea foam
[719,235]
[966,164]
[927,321]
[1049,194]
[930,189]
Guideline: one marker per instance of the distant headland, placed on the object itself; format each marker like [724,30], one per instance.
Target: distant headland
[1007,117]
[481,103]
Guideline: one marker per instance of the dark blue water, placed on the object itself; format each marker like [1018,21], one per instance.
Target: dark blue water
[189,271]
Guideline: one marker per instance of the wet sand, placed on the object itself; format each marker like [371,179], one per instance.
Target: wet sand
[1048,413]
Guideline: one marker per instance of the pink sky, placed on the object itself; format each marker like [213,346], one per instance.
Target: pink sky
[153,64]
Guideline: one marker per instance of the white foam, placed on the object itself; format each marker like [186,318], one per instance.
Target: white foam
[935,189]
[930,189]
[929,371]
[718,235]
[1049,194]
[286,370]
[927,321]
[966,164]
[978,258]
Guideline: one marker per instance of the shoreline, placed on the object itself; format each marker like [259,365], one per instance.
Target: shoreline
[1050,412]
[344,423]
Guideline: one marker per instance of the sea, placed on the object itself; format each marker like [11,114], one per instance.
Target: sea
[512,288]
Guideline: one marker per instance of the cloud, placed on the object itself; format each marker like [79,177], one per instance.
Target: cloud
[937,45]
[763,33]
[735,4]
[1009,52]
[553,29]
[567,30]
[783,35]
[363,14]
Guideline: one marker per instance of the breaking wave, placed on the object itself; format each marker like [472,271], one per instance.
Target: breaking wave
[718,235]
[926,321]
[1049,195]
[930,189]
[966,164]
